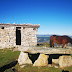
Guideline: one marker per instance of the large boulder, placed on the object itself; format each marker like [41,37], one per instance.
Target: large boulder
[24,59]
[65,61]
[41,61]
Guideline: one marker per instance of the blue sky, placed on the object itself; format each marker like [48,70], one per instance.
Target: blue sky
[54,16]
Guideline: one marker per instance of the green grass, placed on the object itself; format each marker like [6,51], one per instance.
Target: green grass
[45,45]
[9,70]
[71,55]
[68,68]
[30,68]
[7,56]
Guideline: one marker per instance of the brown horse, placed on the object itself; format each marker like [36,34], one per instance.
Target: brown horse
[60,40]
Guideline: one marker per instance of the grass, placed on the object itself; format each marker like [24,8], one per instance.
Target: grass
[45,45]
[7,56]
[30,68]
[71,55]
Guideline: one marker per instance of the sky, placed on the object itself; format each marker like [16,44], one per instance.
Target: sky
[54,16]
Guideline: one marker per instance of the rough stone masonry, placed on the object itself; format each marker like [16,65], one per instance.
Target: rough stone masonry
[16,35]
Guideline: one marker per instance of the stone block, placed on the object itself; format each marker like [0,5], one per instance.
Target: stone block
[65,61]
[41,61]
[24,59]
[56,61]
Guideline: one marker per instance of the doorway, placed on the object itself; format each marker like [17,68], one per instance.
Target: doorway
[18,35]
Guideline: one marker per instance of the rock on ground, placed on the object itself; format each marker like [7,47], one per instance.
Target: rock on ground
[65,61]
[56,61]
[41,61]
[24,59]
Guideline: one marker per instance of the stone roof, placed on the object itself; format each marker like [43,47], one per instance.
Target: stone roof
[20,25]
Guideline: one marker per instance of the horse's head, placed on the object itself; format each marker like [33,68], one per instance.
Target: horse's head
[54,35]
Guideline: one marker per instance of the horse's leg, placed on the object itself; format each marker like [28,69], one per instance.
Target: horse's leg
[62,46]
[65,45]
[53,44]
[50,43]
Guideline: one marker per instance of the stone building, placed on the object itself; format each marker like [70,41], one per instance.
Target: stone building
[16,35]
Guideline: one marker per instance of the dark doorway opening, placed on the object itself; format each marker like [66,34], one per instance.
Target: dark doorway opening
[18,35]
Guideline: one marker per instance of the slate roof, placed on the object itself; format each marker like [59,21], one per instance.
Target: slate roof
[20,25]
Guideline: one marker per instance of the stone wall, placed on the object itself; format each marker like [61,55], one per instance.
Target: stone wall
[8,37]
[28,37]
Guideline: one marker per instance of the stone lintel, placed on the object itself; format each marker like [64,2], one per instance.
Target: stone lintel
[44,50]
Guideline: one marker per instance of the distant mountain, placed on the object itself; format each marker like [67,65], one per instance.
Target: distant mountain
[46,35]
[43,39]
